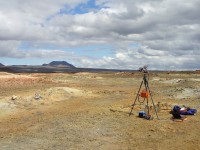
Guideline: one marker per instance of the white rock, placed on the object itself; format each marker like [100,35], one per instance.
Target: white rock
[14,97]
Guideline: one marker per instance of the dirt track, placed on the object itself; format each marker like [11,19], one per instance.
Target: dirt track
[90,111]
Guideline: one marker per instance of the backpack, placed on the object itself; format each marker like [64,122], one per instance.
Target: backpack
[176,112]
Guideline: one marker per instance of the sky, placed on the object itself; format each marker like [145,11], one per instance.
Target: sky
[112,34]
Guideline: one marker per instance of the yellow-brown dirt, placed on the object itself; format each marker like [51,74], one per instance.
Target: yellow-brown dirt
[90,111]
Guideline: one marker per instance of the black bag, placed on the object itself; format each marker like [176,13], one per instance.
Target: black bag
[176,112]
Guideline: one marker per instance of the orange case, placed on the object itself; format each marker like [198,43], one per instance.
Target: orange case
[144,94]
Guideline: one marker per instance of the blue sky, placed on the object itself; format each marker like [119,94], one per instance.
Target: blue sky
[117,34]
[96,50]
[81,8]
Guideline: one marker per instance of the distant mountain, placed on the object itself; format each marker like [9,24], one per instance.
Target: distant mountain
[1,65]
[59,64]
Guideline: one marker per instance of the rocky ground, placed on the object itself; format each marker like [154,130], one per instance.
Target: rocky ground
[90,111]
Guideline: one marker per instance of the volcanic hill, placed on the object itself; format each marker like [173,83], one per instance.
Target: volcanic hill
[59,64]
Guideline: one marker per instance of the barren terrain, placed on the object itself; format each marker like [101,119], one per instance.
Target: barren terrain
[90,111]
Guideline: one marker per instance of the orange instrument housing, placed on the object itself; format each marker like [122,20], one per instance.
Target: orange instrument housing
[144,94]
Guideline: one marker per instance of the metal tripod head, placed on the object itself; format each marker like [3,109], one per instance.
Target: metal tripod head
[145,72]
[143,69]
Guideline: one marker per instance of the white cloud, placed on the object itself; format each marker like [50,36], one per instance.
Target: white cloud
[135,58]
[166,31]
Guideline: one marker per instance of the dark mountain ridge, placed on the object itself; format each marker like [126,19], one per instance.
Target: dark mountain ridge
[59,64]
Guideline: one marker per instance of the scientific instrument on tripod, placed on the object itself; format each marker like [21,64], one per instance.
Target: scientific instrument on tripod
[145,94]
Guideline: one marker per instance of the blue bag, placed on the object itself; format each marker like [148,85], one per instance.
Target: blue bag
[189,112]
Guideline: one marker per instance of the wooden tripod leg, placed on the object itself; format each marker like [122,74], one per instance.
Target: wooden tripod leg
[148,112]
[136,97]
[152,100]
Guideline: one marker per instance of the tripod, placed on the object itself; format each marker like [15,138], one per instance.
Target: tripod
[148,94]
